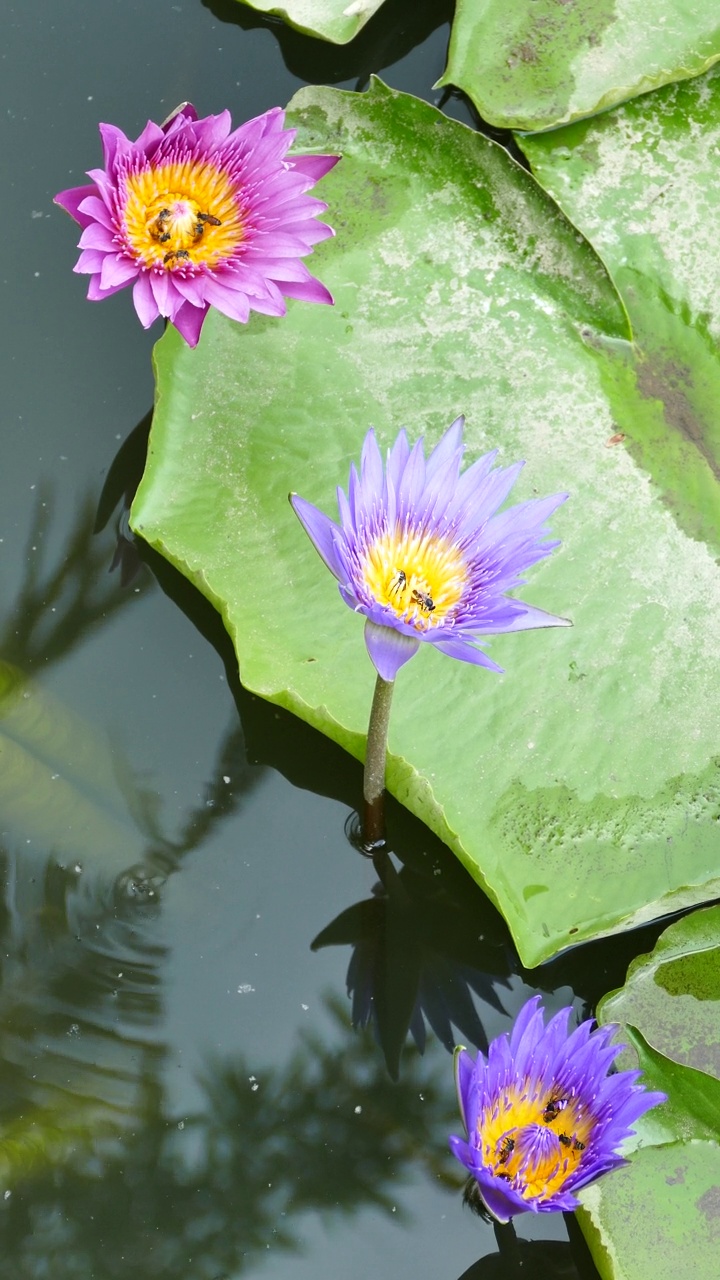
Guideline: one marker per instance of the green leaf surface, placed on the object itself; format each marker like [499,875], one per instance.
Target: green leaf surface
[641,183]
[673,994]
[334,20]
[660,1216]
[536,64]
[564,786]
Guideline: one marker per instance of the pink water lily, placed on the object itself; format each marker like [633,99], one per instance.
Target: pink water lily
[193,215]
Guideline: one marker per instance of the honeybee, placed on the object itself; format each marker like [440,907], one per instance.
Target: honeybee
[579,1146]
[553,1109]
[399,583]
[425,602]
[208,217]
[505,1150]
[158,228]
[563,1138]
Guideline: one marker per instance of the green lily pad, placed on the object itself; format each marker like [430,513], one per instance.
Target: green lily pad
[334,20]
[564,786]
[659,1218]
[673,994]
[641,184]
[536,64]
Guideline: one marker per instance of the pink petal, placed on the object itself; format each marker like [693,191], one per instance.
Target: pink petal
[116,271]
[93,207]
[144,301]
[310,291]
[189,321]
[96,236]
[89,262]
[72,199]
[313,167]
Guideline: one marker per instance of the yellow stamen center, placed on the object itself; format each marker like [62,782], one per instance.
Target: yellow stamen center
[182,213]
[418,575]
[534,1141]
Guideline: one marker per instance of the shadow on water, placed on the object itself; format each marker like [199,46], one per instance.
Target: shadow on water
[390,35]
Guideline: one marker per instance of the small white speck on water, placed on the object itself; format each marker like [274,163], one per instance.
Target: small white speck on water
[181,1124]
[305,1007]
[7,1195]
[358,1111]
[226,779]
[245,988]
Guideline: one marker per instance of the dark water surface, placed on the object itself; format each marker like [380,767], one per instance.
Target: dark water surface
[182,1094]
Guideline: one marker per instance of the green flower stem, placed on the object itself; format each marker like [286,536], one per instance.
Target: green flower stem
[375,757]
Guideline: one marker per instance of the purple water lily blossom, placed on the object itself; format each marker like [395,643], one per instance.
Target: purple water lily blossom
[422,552]
[194,215]
[543,1116]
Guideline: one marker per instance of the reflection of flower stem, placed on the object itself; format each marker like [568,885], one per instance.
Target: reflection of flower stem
[507,1243]
[375,755]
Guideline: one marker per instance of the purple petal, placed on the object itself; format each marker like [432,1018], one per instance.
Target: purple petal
[446,447]
[500,1201]
[321,532]
[528,620]
[464,1076]
[389,650]
[465,651]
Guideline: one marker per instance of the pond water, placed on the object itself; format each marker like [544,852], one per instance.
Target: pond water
[183,1093]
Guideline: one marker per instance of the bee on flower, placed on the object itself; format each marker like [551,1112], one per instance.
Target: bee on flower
[543,1114]
[422,552]
[193,215]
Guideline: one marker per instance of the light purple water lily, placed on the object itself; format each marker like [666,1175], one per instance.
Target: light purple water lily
[422,552]
[543,1116]
[195,215]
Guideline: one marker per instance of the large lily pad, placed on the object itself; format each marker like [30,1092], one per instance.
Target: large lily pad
[565,786]
[658,1218]
[535,64]
[641,182]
